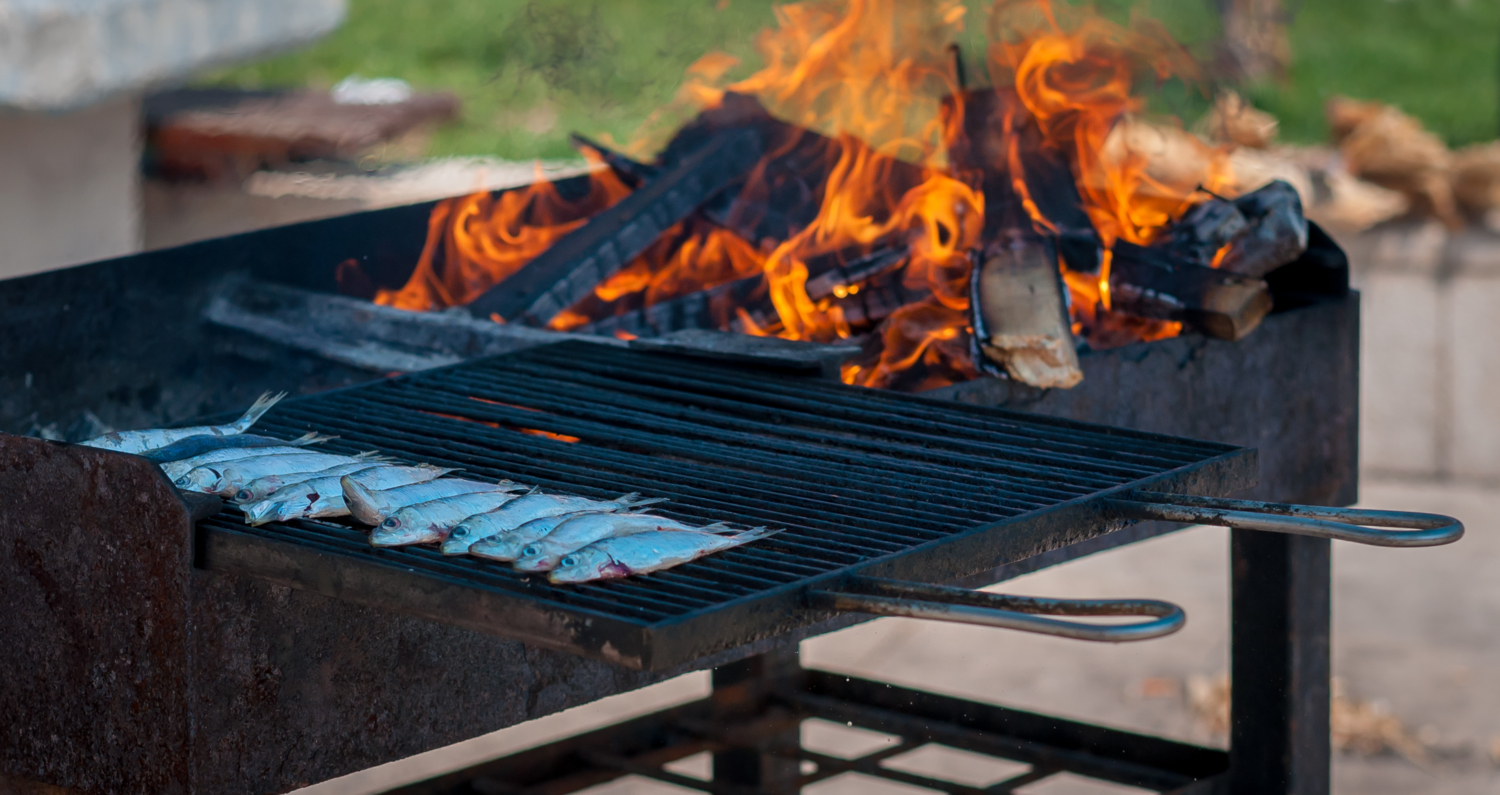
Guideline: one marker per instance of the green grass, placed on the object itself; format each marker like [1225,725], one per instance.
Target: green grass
[531,72]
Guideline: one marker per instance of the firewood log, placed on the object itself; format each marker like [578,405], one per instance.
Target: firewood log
[1232,120]
[1148,283]
[1393,150]
[1021,316]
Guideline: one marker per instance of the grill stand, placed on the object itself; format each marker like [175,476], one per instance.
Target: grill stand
[1279,736]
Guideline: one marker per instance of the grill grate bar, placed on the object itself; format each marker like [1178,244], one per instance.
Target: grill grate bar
[740,404]
[817,395]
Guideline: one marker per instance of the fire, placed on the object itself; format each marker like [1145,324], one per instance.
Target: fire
[877,77]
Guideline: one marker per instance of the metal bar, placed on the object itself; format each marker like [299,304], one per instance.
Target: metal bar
[743,689]
[1339,524]
[1279,664]
[957,605]
[570,269]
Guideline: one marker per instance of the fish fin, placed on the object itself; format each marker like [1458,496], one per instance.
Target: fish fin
[754,534]
[370,455]
[252,415]
[634,500]
[721,528]
[362,502]
[311,437]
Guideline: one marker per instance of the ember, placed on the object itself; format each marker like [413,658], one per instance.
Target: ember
[847,189]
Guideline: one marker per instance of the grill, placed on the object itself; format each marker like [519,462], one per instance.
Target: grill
[865,483]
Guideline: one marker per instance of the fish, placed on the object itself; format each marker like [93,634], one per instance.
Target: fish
[642,553]
[372,506]
[153,439]
[430,521]
[385,476]
[544,553]
[532,530]
[532,506]
[198,445]
[323,496]
[176,469]
[210,478]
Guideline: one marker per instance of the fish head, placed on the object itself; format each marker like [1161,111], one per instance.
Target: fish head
[257,490]
[587,564]
[261,512]
[201,480]
[501,547]
[535,557]
[458,540]
[404,527]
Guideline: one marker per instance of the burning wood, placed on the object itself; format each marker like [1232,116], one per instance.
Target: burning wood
[879,174]
[1021,318]
[572,267]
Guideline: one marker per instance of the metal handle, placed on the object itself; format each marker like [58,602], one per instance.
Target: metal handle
[883,597]
[1343,524]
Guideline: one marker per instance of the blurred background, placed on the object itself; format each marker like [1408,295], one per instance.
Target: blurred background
[234,116]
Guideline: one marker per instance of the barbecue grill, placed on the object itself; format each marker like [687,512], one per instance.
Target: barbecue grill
[235,683]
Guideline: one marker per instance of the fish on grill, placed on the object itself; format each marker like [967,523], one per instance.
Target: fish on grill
[224,457]
[198,445]
[532,530]
[152,439]
[372,506]
[230,476]
[431,521]
[524,510]
[371,475]
[322,495]
[642,553]
[580,531]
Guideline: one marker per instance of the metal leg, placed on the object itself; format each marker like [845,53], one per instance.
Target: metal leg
[742,691]
[1279,703]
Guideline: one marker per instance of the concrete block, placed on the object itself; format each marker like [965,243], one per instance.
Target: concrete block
[1471,332]
[63,54]
[68,185]
[1400,373]
[1408,247]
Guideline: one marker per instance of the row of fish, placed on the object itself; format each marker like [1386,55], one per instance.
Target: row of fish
[575,539]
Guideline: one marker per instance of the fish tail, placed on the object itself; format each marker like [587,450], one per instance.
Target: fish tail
[362,502]
[753,534]
[258,408]
[722,527]
[311,437]
[634,500]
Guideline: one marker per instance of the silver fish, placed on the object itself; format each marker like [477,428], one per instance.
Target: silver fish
[430,521]
[531,506]
[532,530]
[141,441]
[323,496]
[642,553]
[183,449]
[263,487]
[210,478]
[176,469]
[372,506]
[578,532]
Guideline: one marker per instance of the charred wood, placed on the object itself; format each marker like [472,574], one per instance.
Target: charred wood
[838,279]
[1146,283]
[1199,234]
[713,308]
[1021,318]
[877,300]
[367,336]
[746,349]
[1277,232]
[570,270]
[999,138]
[630,171]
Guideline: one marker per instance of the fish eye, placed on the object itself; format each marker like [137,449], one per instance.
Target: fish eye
[391,522]
[242,494]
[570,561]
[529,551]
[462,531]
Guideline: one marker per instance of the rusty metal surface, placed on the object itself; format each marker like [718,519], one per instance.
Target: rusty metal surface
[94,570]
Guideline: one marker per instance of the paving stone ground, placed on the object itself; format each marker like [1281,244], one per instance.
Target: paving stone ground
[1417,631]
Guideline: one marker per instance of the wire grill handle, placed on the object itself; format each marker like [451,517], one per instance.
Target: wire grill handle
[884,597]
[1376,528]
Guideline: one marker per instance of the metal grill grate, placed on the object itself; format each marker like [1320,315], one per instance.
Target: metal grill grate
[858,478]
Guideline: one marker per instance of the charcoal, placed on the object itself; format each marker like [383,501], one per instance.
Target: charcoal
[1199,234]
[834,279]
[713,308]
[630,171]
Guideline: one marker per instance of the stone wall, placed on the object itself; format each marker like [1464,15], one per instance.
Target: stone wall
[1430,370]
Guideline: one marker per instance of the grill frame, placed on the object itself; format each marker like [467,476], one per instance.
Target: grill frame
[334,560]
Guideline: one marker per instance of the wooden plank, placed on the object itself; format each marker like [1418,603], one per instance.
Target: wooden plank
[1021,315]
[1224,305]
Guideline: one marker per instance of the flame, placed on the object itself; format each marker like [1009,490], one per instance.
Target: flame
[877,78]
[475,241]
